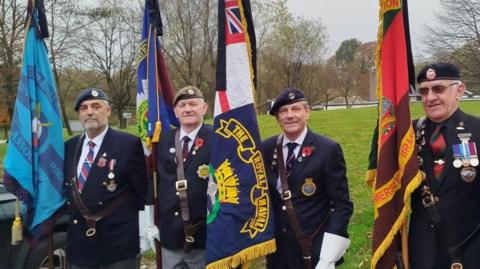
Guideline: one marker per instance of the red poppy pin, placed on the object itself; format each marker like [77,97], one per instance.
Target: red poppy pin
[307,151]
[198,143]
[101,162]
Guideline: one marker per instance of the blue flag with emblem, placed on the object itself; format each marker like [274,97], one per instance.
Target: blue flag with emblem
[154,89]
[239,222]
[33,162]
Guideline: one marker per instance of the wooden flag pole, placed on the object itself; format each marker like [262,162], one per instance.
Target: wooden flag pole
[156,205]
[405,258]
[51,264]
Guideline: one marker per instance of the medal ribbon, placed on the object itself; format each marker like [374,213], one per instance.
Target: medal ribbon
[473,150]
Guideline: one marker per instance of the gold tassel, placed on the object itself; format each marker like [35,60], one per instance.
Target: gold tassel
[156,132]
[17,225]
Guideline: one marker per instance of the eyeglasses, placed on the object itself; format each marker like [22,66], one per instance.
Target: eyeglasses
[437,89]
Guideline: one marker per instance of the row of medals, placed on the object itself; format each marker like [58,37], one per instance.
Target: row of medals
[110,183]
[465,154]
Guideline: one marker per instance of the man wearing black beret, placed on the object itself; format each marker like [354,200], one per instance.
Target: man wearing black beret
[445,219]
[105,180]
[183,160]
[309,190]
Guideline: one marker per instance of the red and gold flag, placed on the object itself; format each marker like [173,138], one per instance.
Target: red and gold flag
[393,170]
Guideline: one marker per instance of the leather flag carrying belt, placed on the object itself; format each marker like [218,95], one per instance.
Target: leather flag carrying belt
[182,187]
[304,242]
[91,220]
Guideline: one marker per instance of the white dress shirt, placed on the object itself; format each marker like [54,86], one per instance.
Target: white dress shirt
[85,148]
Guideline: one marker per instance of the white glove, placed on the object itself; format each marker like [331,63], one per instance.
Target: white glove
[148,231]
[147,240]
[333,248]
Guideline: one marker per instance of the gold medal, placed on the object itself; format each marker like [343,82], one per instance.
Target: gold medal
[203,171]
[111,186]
[309,188]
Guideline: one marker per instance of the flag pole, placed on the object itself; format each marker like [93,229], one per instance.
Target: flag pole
[156,205]
[404,234]
[50,249]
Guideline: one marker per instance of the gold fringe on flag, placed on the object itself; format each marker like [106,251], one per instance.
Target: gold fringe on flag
[245,256]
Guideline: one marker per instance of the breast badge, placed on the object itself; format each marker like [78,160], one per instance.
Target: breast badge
[110,184]
[466,157]
[468,174]
[203,171]
[309,188]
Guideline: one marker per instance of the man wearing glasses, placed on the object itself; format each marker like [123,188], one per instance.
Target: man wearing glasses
[445,220]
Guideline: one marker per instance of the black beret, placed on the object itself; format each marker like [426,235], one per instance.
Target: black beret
[438,71]
[187,92]
[89,94]
[287,97]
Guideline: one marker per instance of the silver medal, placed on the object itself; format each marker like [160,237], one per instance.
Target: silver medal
[457,163]
[111,175]
[474,162]
[468,174]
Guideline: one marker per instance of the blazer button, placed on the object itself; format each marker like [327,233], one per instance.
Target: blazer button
[176,213]
[284,207]
[75,221]
[284,230]
[177,193]
[431,226]
[68,202]
[100,203]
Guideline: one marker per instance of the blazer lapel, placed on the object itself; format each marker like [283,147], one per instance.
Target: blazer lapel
[452,138]
[301,160]
[191,156]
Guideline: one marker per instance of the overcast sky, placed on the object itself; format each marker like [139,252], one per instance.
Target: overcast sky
[345,19]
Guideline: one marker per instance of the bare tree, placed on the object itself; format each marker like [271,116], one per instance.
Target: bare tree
[109,45]
[348,68]
[456,36]
[290,54]
[12,14]
[190,35]
[64,26]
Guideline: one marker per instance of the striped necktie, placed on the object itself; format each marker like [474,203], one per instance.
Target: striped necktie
[86,166]
[290,157]
[438,146]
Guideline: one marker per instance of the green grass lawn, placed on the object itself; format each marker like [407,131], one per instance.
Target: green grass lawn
[352,128]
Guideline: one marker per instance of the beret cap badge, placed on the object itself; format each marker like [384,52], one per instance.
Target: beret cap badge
[431,74]
[291,96]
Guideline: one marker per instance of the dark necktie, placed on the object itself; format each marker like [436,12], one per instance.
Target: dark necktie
[290,157]
[438,146]
[185,139]
[86,166]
